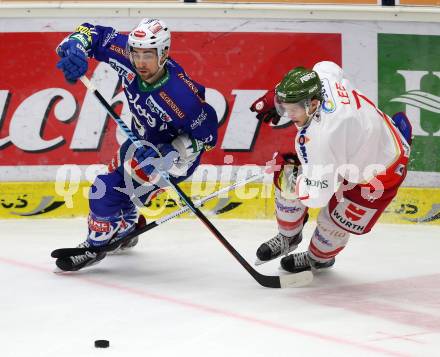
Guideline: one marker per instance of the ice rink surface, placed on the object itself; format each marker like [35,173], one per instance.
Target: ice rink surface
[180,293]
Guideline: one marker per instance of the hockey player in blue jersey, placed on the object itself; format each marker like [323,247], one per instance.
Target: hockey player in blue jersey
[169,114]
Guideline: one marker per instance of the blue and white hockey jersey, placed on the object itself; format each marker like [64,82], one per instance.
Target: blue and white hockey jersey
[173,106]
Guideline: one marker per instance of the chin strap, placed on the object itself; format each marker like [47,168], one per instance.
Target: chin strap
[315,114]
[159,59]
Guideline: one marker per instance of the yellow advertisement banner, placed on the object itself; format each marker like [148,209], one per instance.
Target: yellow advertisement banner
[20,200]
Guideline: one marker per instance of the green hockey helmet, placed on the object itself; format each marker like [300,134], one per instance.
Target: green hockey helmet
[299,84]
[295,93]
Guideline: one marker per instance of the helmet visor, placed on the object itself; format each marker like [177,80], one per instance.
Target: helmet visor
[290,110]
[142,55]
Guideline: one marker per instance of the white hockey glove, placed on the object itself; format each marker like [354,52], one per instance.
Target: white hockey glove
[189,150]
[288,175]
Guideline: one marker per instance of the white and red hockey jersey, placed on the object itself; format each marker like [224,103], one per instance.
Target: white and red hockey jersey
[350,139]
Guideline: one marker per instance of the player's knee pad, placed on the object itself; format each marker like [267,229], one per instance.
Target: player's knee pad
[290,214]
[328,239]
[104,198]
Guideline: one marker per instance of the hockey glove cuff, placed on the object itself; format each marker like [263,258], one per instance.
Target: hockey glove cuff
[265,108]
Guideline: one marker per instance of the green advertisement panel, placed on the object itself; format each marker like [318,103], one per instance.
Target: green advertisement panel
[409,81]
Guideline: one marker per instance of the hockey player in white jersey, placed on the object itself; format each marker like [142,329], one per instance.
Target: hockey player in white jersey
[349,160]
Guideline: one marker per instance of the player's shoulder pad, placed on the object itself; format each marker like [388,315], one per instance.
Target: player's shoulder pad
[328,69]
[331,76]
[184,94]
[117,45]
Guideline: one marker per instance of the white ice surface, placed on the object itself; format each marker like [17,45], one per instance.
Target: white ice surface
[180,293]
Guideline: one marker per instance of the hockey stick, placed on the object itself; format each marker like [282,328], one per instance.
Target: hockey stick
[67,252]
[264,280]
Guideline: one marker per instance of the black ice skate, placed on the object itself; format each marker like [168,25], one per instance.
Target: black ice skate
[277,246]
[299,262]
[77,262]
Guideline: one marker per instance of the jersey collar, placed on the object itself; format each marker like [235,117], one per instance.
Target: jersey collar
[149,87]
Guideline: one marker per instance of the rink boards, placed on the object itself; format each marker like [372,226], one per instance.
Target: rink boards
[254,201]
[47,124]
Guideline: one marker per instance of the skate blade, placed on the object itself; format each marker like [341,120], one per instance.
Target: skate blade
[296,280]
[59,271]
[261,262]
[115,251]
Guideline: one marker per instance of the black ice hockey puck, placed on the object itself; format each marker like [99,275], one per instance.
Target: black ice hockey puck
[102,343]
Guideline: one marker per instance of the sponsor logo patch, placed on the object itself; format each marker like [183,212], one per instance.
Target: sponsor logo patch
[329,103]
[190,85]
[307,77]
[155,27]
[197,145]
[351,216]
[199,120]
[85,31]
[321,239]
[99,226]
[122,70]
[81,38]
[302,140]
[109,37]
[316,183]
[314,88]
[157,109]
[119,50]
[139,34]
[287,209]
[167,99]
